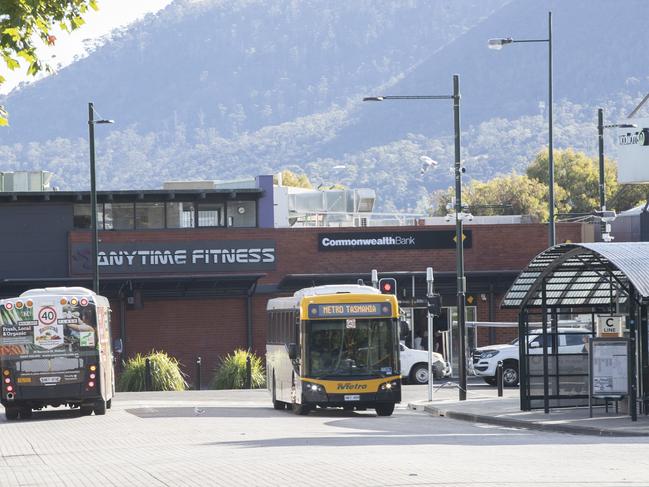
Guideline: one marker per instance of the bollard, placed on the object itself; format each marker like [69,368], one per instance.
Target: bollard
[198,373]
[499,378]
[147,375]
[248,373]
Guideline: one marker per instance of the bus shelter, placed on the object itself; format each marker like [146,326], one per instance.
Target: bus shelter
[559,297]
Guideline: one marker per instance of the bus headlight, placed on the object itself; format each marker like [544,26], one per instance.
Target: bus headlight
[388,386]
[308,386]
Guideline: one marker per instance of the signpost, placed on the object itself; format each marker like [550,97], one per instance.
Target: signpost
[610,325]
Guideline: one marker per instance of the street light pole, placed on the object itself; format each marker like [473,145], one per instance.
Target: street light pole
[551,231]
[459,244]
[459,215]
[604,227]
[93,196]
[600,137]
[498,44]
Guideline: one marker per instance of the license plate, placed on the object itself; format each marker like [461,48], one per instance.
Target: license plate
[352,397]
[50,380]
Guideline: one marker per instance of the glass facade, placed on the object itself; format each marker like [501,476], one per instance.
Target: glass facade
[159,215]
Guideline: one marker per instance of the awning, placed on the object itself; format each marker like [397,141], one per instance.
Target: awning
[170,285]
[587,274]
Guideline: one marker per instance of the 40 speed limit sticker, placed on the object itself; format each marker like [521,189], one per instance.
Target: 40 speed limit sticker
[47,315]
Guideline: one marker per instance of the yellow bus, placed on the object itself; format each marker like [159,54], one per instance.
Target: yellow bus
[334,346]
[55,350]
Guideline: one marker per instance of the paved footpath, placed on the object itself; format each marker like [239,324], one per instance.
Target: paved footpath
[484,406]
[234,438]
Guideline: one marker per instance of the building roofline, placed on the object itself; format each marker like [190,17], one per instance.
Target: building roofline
[132,195]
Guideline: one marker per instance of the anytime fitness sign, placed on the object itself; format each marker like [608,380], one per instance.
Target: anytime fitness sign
[193,256]
[428,239]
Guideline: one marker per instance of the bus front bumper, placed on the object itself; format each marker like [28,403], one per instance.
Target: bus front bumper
[319,397]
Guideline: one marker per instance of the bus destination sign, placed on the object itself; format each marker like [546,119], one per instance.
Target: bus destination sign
[349,310]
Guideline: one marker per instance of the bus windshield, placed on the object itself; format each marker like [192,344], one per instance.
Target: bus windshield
[351,347]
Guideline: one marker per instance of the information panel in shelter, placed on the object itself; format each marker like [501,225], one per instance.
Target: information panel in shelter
[610,367]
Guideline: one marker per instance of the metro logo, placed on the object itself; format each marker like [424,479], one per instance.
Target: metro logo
[341,386]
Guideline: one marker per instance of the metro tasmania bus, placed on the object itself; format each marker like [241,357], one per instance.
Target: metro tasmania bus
[334,346]
[55,350]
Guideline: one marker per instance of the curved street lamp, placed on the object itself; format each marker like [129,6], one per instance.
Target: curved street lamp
[459,214]
[93,194]
[498,44]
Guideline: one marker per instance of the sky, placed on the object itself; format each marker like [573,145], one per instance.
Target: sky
[111,15]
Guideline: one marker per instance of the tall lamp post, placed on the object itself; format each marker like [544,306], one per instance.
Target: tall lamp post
[93,195]
[604,227]
[498,44]
[461,282]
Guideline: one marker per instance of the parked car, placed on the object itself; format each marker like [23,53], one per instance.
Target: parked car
[414,365]
[485,359]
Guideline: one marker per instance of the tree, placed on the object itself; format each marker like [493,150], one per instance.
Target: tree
[289,178]
[578,175]
[513,194]
[24,22]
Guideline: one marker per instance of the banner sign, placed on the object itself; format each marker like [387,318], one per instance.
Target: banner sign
[415,240]
[633,152]
[170,257]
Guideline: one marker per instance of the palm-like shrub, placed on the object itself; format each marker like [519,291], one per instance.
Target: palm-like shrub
[231,371]
[165,373]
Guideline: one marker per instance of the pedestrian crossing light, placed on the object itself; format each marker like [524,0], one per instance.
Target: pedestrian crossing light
[388,285]
[435,304]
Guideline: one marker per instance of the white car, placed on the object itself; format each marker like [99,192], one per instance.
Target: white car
[485,359]
[414,365]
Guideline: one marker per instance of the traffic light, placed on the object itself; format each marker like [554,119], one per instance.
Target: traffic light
[388,285]
[435,304]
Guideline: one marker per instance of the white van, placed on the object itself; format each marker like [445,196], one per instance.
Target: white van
[485,359]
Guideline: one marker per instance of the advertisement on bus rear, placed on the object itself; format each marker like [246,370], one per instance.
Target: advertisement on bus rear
[31,328]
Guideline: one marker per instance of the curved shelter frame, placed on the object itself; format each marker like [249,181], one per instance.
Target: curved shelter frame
[569,285]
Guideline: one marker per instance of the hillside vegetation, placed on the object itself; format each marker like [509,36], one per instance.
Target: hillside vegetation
[224,89]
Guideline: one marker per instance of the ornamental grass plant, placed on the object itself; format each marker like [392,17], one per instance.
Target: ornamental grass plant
[165,373]
[230,373]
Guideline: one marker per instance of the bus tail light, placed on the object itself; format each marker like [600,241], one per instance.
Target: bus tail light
[92,375]
[8,383]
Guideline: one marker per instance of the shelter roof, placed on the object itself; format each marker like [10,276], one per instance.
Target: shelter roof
[585,274]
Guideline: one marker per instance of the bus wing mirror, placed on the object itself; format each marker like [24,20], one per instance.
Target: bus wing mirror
[117,345]
[292,350]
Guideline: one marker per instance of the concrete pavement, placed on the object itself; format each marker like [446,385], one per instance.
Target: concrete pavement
[484,406]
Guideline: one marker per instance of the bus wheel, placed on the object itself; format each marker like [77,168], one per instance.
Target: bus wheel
[85,410]
[385,409]
[25,412]
[279,405]
[301,409]
[100,407]
[11,413]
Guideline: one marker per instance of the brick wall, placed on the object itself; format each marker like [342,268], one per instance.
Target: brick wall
[187,328]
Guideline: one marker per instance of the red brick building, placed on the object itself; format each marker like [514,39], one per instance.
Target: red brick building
[201,289]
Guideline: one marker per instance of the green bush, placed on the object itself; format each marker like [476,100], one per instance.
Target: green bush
[165,373]
[231,371]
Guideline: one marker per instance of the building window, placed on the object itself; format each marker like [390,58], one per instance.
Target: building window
[180,215]
[119,216]
[211,215]
[242,214]
[149,215]
[82,216]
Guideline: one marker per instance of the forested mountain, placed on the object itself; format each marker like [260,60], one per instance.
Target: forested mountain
[221,89]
